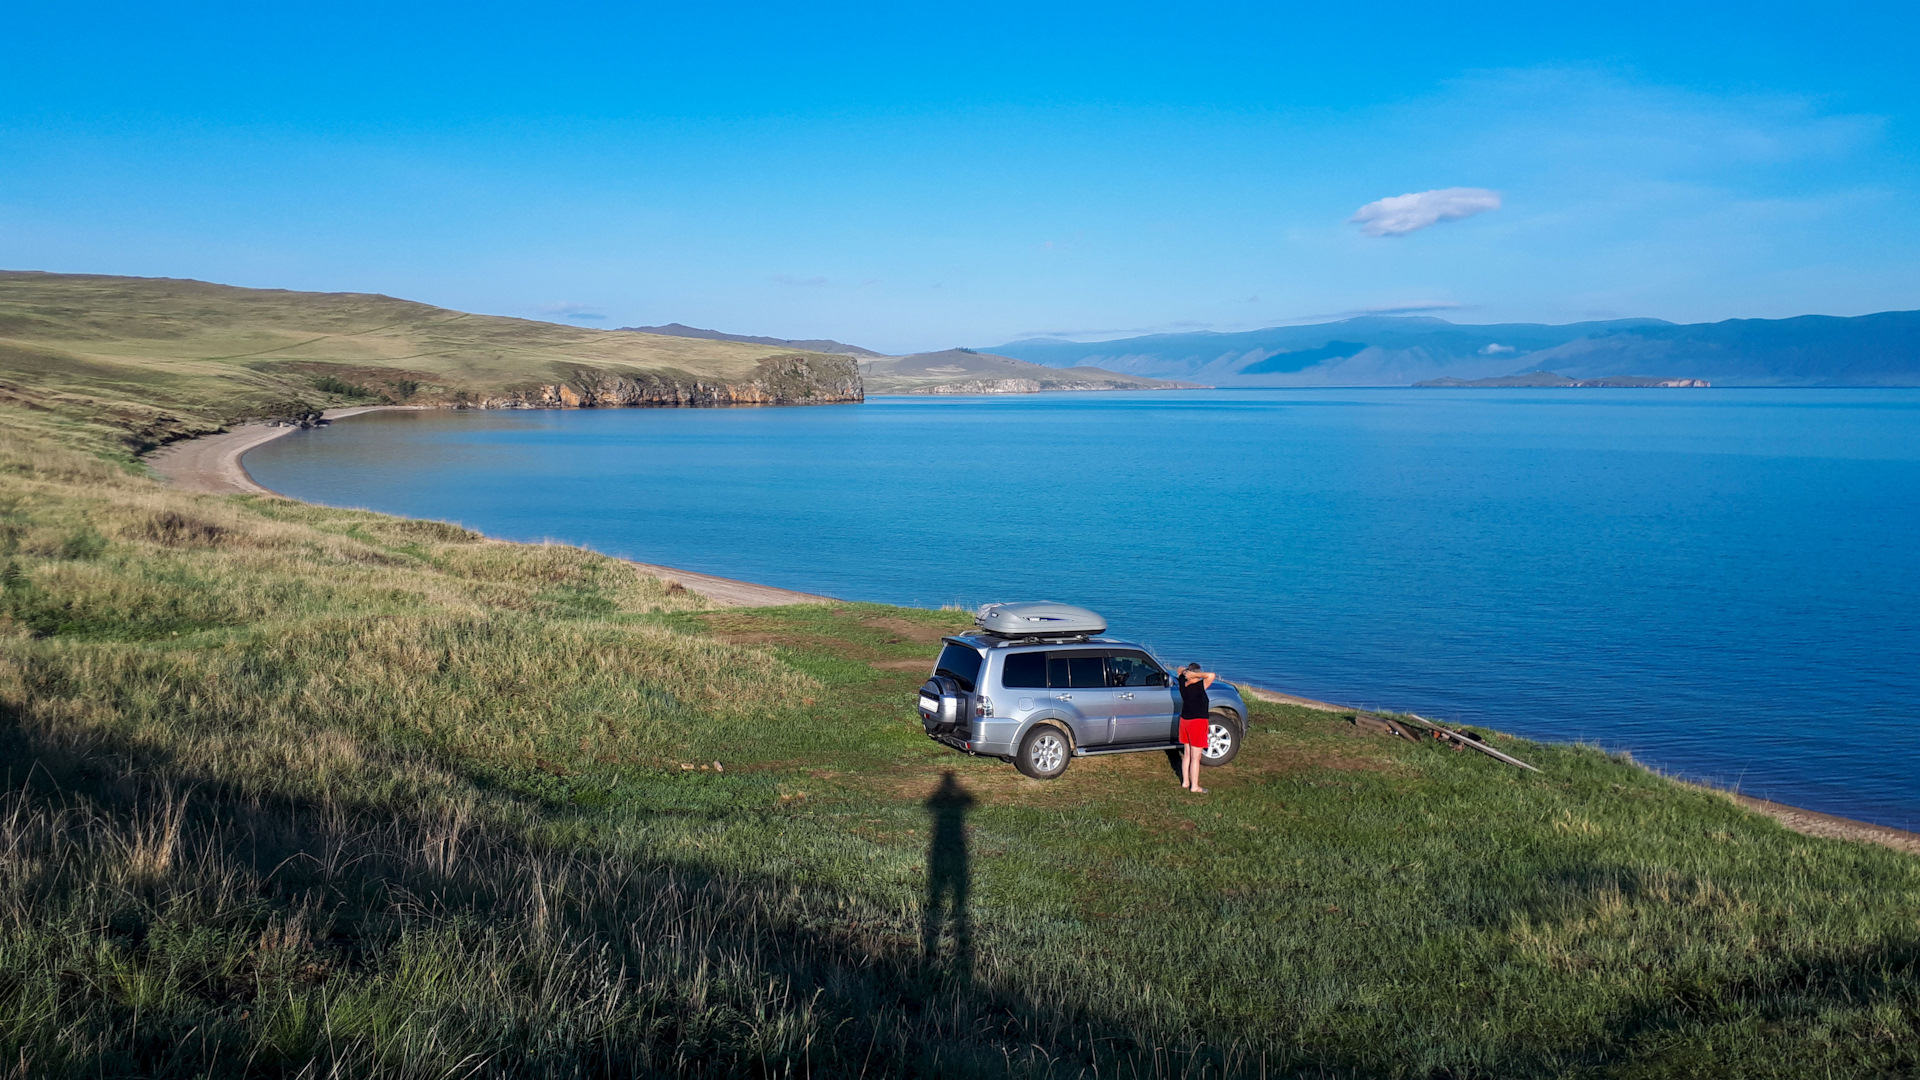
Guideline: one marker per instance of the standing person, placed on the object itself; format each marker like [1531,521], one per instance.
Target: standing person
[1194,723]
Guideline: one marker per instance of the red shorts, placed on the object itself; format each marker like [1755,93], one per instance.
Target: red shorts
[1193,731]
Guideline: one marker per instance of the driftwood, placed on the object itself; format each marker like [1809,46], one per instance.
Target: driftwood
[1412,727]
[1471,741]
[1384,726]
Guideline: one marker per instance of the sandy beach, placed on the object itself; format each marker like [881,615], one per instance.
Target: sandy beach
[212,464]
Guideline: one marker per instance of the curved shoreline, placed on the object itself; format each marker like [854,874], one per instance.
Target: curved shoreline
[212,465]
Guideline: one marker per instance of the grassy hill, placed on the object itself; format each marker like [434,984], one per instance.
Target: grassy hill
[160,358]
[293,791]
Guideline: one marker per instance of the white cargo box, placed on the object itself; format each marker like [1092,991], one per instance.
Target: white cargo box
[1039,618]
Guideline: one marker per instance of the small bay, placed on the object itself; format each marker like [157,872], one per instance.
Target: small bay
[1724,582]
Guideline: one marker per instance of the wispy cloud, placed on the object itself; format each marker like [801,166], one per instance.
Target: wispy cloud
[1111,332]
[1399,215]
[1417,307]
[567,309]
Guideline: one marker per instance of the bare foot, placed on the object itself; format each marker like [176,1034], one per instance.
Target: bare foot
[1198,790]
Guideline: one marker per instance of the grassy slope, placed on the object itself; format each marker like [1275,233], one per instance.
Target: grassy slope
[161,357]
[294,788]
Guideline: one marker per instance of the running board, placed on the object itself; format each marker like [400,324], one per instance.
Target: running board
[1096,752]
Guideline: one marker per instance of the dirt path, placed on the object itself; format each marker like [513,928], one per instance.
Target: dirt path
[1278,698]
[727,592]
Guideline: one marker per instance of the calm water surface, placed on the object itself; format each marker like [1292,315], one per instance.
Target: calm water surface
[1725,582]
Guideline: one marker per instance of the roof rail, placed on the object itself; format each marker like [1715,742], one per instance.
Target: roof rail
[1035,639]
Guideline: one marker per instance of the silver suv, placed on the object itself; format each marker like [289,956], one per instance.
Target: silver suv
[1037,687]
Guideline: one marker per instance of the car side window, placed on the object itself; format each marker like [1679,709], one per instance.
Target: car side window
[1132,669]
[1086,672]
[1025,670]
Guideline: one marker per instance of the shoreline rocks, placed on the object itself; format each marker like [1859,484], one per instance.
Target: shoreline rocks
[777,380]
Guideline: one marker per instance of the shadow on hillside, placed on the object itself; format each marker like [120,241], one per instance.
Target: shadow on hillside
[534,960]
[291,935]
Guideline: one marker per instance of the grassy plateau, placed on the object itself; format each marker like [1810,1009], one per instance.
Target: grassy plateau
[294,791]
[160,358]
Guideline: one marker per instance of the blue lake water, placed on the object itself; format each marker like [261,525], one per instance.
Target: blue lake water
[1724,582]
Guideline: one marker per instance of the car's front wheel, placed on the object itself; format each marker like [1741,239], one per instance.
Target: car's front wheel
[1043,753]
[1223,738]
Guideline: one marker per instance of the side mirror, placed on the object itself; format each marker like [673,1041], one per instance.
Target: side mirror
[1158,678]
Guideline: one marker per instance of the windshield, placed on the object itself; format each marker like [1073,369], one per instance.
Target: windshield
[961,663]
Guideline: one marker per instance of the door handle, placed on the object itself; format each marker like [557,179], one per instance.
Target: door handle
[1126,697]
[1066,697]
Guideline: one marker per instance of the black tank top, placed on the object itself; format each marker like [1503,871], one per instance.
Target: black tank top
[1193,698]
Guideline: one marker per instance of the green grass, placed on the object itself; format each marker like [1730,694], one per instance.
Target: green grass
[157,359]
[299,791]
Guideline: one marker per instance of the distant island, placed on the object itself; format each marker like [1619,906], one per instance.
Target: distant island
[966,371]
[1549,379]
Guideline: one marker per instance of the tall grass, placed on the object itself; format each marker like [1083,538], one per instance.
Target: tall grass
[299,791]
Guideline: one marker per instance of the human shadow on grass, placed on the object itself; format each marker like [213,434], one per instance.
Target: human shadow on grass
[948,879]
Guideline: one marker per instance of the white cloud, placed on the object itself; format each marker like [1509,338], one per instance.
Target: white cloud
[1399,215]
[1497,350]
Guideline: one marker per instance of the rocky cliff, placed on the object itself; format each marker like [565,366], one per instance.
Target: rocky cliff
[778,380]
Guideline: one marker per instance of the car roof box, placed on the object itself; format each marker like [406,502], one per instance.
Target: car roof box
[1039,618]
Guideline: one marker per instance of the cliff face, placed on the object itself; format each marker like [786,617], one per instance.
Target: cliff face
[777,380]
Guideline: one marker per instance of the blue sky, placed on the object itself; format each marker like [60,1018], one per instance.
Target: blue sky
[916,177]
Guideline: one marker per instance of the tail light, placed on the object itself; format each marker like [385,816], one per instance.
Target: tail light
[983,706]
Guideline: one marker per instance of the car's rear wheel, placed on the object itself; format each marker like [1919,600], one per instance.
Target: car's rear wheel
[1223,738]
[1044,753]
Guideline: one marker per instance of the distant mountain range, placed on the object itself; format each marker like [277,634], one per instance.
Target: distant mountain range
[825,345]
[1811,350]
